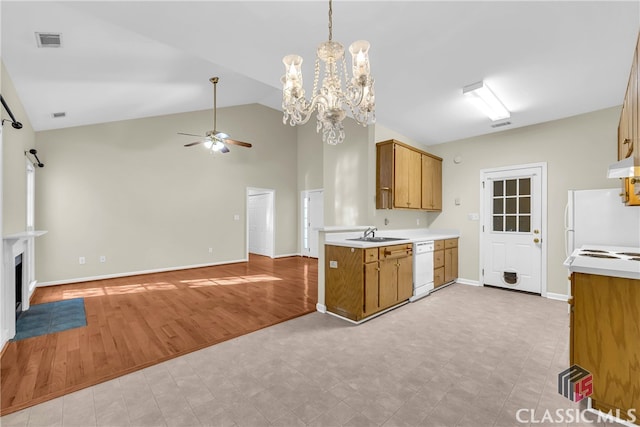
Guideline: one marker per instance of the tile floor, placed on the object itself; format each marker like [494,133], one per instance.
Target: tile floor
[463,356]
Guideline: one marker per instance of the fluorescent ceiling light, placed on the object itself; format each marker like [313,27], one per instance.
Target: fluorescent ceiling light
[480,94]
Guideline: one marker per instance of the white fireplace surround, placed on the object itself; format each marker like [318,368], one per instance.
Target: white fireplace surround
[14,245]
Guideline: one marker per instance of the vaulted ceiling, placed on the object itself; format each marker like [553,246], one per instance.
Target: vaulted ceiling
[123,59]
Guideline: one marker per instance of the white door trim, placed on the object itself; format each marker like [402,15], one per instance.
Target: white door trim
[543,218]
[272,207]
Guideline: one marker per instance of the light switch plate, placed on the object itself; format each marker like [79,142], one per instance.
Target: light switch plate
[473,217]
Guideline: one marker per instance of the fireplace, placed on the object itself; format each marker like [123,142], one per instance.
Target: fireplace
[18,280]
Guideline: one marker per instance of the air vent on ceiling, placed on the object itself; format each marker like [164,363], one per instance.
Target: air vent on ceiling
[59,115]
[49,39]
[497,125]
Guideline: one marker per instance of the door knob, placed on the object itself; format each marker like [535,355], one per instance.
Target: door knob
[536,240]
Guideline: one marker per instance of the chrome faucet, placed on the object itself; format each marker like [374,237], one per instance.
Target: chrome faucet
[370,231]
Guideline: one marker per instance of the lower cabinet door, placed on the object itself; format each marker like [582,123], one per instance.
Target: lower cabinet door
[388,283]
[371,290]
[438,277]
[450,264]
[405,278]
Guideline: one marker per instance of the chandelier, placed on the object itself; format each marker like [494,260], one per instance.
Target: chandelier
[331,99]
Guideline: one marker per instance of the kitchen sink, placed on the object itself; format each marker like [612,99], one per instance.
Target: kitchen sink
[378,239]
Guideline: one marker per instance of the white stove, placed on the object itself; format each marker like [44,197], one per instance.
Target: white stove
[615,261]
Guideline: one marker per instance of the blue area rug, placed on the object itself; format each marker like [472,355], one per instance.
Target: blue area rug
[42,319]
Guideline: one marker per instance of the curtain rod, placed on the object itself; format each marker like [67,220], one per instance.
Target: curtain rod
[14,123]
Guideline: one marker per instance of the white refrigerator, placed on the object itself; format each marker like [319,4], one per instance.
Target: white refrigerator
[598,217]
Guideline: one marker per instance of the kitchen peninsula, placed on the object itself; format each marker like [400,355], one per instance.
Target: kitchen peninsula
[364,272]
[605,324]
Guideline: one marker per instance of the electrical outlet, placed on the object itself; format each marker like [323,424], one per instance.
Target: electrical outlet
[210,250]
[473,217]
[236,217]
[103,258]
[82,260]
[418,221]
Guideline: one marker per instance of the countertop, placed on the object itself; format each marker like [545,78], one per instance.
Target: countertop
[407,235]
[622,266]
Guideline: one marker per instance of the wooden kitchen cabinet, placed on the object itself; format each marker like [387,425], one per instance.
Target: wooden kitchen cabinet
[629,130]
[604,337]
[450,260]
[396,272]
[362,282]
[407,178]
[445,262]
[431,183]
[438,263]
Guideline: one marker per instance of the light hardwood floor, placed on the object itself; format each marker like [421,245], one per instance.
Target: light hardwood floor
[138,321]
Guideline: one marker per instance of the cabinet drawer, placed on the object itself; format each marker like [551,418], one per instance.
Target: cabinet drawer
[438,245]
[451,243]
[396,251]
[438,277]
[370,254]
[438,259]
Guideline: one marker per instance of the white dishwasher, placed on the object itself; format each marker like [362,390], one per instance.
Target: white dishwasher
[422,269]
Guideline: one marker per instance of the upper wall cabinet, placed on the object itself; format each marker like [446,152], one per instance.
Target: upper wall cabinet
[629,130]
[407,178]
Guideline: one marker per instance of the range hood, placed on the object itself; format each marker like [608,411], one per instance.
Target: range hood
[623,169]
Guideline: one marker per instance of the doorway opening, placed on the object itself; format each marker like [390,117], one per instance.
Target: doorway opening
[260,221]
[312,218]
[513,237]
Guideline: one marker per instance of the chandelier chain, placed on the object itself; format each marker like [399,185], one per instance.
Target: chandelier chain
[330,20]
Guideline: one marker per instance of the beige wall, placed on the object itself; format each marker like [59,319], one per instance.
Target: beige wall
[130,191]
[577,151]
[14,176]
[310,154]
[345,170]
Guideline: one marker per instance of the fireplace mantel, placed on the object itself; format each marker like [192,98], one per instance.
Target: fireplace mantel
[24,235]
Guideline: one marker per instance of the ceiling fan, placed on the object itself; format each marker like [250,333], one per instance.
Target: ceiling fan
[213,139]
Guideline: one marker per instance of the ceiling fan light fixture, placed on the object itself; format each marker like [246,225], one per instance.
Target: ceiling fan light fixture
[329,98]
[214,140]
[486,101]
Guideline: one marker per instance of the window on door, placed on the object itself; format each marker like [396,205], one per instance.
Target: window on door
[512,205]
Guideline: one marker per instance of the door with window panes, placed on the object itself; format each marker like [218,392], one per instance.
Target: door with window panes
[511,229]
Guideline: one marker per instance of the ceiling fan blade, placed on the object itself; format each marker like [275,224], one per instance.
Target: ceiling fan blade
[224,149]
[240,143]
[190,134]
[191,144]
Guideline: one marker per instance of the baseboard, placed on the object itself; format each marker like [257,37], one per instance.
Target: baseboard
[286,255]
[321,308]
[468,282]
[373,316]
[135,273]
[559,297]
